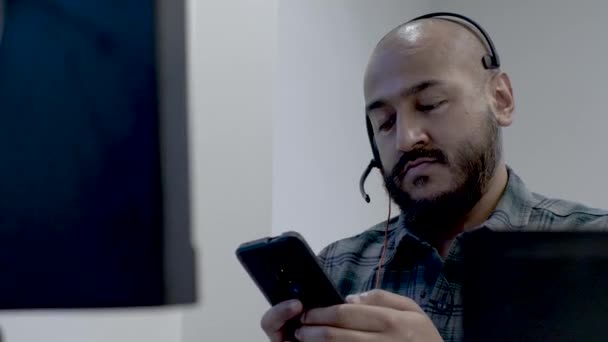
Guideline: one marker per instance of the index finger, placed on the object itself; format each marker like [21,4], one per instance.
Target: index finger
[350,316]
[385,299]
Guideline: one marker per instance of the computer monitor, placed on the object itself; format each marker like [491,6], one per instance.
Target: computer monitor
[94,181]
[533,285]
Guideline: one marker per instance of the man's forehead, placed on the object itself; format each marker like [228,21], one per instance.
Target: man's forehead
[395,70]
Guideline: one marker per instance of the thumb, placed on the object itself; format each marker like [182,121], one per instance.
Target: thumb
[385,299]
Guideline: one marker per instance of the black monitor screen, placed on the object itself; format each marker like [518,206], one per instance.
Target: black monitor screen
[81,196]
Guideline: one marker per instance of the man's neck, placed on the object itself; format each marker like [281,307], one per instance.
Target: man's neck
[480,212]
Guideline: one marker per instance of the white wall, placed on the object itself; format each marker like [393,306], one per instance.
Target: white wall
[554,51]
[233,54]
[320,142]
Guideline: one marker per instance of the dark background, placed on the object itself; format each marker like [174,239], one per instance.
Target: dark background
[80,187]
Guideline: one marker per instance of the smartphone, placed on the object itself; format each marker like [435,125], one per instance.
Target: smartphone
[284,268]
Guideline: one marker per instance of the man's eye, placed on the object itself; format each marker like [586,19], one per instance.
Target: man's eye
[388,124]
[427,108]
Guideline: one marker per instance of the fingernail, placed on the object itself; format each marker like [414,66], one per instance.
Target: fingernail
[364,294]
[297,334]
[303,317]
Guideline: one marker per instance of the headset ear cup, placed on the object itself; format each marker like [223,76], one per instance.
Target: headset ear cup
[489,62]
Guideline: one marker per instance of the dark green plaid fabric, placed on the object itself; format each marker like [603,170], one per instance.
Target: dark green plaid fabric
[413,268]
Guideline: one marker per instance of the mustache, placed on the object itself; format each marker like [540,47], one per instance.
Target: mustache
[412,155]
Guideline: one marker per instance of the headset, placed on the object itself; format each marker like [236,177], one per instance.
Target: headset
[489,61]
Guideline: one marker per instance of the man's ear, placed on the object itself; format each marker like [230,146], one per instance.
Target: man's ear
[503,103]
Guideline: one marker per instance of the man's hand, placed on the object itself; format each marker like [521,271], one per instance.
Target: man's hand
[273,321]
[372,316]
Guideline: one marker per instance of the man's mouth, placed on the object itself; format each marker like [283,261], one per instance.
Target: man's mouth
[415,163]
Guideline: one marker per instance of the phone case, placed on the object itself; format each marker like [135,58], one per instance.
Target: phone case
[285,267]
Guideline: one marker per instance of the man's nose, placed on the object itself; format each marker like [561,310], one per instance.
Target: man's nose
[410,133]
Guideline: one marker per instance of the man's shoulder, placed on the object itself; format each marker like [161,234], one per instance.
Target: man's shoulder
[566,213]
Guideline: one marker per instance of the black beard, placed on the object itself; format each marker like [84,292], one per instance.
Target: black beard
[475,166]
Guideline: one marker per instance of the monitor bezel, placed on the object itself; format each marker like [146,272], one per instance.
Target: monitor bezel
[172,65]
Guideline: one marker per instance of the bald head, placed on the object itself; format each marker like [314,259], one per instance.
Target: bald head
[442,31]
[443,41]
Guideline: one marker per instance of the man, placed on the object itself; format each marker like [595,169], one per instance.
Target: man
[436,115]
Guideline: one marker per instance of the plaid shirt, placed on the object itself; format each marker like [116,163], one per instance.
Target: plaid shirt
[414,269]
